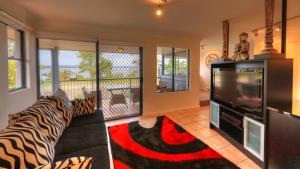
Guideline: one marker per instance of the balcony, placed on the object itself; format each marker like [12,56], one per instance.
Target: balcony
[119,97]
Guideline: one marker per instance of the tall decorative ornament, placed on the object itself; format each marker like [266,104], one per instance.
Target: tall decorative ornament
[225,39]
[269,14]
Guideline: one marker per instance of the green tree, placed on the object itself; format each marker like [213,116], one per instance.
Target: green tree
[135,71]
[169,66]
[181,67]
[105,67]
[12,74]
[88,63]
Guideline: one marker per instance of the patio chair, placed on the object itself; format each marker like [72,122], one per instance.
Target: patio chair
[135,95]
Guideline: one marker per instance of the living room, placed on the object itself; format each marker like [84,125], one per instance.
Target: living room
[149,84]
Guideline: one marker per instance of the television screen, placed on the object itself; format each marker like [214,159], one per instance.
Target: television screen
[249,89]
[241,88]
[224,84]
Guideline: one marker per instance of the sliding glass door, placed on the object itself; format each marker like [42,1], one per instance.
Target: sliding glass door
[71,66]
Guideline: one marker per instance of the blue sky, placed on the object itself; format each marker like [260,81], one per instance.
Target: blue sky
[69,58]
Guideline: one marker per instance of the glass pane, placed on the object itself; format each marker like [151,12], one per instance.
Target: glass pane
[253,137]
[164,69]
[168,65]
[181,69]
[159,72]
[46,74]
[13,43]
[77,72]
[14,74]
[215,114]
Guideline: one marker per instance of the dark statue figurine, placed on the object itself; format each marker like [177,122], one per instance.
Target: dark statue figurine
[241,51]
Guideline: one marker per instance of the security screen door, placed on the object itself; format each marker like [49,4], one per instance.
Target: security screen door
[121,80]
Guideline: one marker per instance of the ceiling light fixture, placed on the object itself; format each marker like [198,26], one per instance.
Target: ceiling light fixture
[159,9]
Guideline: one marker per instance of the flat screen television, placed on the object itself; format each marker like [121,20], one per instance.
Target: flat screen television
[240,88]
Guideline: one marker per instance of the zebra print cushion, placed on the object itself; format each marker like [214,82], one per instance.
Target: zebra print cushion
[46,116]
[71,163]
[84,106]
[66,115]
[64,98]
[62,103]
[23,145]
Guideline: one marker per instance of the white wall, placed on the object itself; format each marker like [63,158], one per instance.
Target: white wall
[213,43]
[19,100]
[210,45]
[159,103]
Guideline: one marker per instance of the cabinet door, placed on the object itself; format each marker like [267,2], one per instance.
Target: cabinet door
[254,137]
[214,114]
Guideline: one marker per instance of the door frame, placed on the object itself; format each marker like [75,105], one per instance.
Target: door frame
[141,68]
[98,79]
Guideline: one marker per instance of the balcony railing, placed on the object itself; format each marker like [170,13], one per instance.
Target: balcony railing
[165,83]
[73,88]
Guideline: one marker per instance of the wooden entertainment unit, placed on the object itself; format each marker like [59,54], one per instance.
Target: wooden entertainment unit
[240,95]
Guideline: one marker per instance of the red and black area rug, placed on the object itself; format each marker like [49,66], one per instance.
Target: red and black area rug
[165,146]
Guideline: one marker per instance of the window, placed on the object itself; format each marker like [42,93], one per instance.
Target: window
[68,65]
[16,60]
[172,69]
[46,72]
[77,70]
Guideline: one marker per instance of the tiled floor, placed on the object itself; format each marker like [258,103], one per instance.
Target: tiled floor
[196,121]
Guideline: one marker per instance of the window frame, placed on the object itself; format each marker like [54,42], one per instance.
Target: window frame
[173,73]
[21,60]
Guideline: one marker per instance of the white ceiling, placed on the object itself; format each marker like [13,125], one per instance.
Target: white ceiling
[182,17]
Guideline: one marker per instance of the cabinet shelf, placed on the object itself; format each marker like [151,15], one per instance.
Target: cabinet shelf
[233,124]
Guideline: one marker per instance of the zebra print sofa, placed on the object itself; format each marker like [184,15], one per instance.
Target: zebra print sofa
[47,133]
